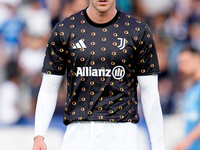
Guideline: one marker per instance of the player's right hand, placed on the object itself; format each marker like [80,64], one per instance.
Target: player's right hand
[39,143]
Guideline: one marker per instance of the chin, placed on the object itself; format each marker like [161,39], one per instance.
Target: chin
[185,75]
[102,9]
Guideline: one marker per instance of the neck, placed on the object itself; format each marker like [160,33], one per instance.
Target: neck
[101,17]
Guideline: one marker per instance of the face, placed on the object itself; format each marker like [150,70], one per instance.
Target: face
[103,6]
[187,63]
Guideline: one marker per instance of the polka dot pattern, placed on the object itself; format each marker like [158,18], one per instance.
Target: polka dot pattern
[93,57]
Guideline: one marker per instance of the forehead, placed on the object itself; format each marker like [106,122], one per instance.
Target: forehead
[186,55]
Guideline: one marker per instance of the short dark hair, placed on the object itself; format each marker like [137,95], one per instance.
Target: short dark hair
[190,49]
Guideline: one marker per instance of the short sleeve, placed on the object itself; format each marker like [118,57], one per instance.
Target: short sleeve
[56,54]
[146,56]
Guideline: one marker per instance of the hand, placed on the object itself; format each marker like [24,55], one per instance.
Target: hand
[182,146]
[39,143]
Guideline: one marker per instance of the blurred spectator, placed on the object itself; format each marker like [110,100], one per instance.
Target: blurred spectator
[10,31]
[182,27]
[194,11]
[30,58]
[188,65]
[176,27]
[194,34]
[4,13]
[37,19]
[165,85]
[10,96]
[157,6]
[54,7]
[30,62]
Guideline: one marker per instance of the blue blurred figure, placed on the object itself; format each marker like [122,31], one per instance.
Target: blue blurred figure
[10,32]
[189,60]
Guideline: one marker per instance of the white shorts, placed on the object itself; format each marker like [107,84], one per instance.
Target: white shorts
[96,135]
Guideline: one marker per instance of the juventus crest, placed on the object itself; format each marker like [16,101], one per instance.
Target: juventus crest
[122,43]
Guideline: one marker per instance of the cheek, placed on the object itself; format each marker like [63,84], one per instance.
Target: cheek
[184,67]
[194,66]
[188,68]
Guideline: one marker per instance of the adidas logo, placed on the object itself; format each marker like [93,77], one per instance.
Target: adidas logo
[79,44]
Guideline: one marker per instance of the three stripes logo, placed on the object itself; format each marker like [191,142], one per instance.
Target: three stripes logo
[122,43]
[79,44]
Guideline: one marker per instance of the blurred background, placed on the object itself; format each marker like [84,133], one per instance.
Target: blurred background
[25,26]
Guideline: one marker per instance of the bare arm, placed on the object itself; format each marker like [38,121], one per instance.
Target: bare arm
[152,111]
[45,108]
[190,139]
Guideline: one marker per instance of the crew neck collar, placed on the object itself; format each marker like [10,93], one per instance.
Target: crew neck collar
[100,25]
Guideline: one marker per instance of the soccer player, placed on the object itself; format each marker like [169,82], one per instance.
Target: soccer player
[189,61]
[105,54]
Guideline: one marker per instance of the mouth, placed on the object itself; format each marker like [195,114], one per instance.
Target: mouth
[103,1]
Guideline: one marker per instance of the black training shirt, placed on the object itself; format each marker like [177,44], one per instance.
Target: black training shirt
[102,62]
